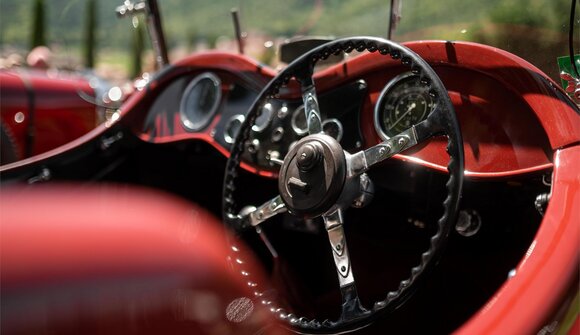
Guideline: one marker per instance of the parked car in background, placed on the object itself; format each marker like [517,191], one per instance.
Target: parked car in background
[40,111]
[263,182]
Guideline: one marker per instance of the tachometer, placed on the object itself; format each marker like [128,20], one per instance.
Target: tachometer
[403,103]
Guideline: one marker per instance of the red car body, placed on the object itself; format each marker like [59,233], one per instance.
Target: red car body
[39,112]
[543,137]
[120,259]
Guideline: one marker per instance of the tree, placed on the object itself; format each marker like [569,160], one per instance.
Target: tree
[90,38]
[137,50]
[39,25]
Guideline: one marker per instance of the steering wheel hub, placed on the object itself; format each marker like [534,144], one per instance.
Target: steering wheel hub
[312,176]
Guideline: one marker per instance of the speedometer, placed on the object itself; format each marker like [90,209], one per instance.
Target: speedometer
[404,102]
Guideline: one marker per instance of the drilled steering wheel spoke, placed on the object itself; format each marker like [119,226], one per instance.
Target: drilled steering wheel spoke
[313,117]
[310,100]
[351,306]
[362,161]
[270,208]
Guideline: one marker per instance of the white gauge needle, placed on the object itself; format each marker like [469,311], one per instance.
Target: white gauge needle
[409,109]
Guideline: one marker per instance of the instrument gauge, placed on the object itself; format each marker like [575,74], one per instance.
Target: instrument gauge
[299,124]
[233,128]
[263,121]
[200,101]
[403,103]
[333,128]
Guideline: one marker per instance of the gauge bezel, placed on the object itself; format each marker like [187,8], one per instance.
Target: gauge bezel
[338,125]
[388,87]
[266,108]
[299,131]
[228,137]
[205,120]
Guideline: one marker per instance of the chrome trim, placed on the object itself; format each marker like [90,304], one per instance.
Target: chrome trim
[333,224]
[265,211]
[266,108]
[295,115]
[339,126]
[313,117]
[361,161]
[205,120]
[229,138]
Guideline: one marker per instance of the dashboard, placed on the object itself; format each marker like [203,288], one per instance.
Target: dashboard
[363,101]
[219,111]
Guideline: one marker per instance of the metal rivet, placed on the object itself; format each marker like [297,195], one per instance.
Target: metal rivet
[19,117]
[343,268]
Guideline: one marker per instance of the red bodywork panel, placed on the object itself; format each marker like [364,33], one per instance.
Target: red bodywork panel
[157,266]
[51,110]
[527,301]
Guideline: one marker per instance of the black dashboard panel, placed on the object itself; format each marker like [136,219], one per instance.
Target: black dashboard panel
[279,126]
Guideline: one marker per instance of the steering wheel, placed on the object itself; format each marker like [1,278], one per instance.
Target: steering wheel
[320,179]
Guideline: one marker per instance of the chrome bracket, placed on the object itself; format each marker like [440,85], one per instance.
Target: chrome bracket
[335,230]
[313,118]
[267,210]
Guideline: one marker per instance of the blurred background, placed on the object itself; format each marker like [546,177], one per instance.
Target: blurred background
[86,34]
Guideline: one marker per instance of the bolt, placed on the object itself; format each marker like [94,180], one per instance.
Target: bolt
[343,268]
[402,141]
[309,156]
[338,247]
[384,150]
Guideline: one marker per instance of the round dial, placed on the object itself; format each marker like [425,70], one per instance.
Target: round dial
[200,101]
[233,127]
[299,124]
[264,119]
[332,128]
[403,103]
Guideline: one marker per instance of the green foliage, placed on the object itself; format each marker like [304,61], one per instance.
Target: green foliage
[38,36]
[536,13]
[530,28]
[90,40]
[210,18]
